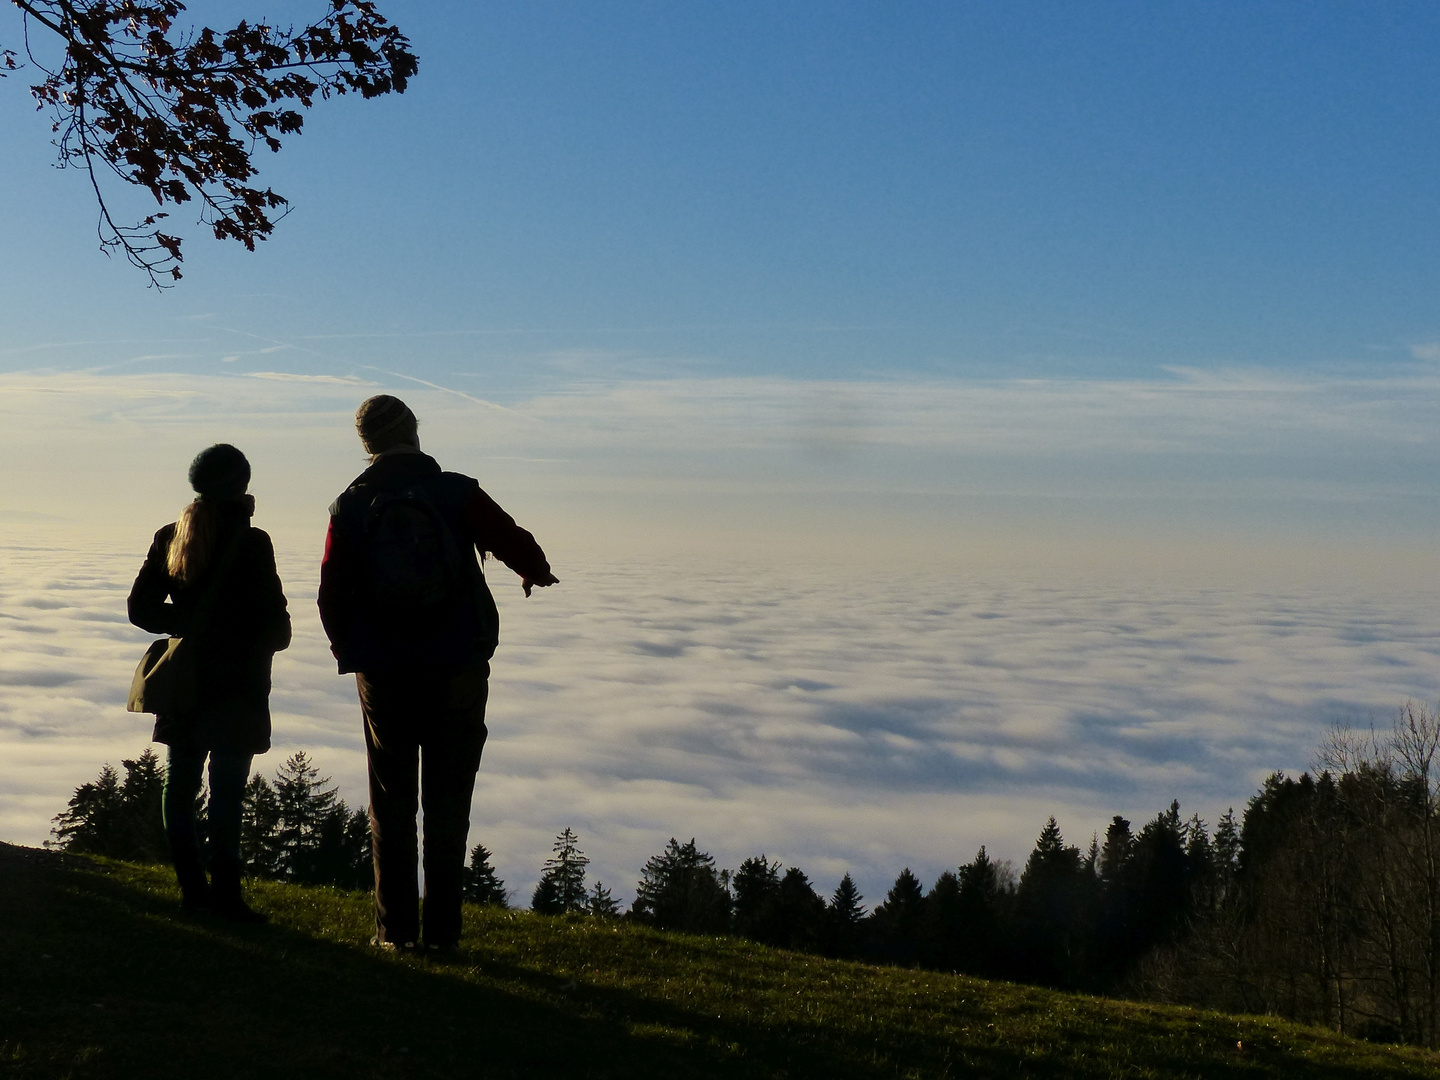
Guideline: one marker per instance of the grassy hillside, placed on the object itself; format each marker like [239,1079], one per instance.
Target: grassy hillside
[101,976]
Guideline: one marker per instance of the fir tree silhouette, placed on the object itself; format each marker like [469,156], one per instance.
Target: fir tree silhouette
[984,929]
[259,829]
[801,911]
[896,922]
[844,916]
[117,818]
[306,800]
[482,885]
[680,889]
[601,904]
[845,903]
[562,883]
[757,898]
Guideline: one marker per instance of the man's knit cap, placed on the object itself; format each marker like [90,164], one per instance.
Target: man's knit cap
[220,472]
[385,422]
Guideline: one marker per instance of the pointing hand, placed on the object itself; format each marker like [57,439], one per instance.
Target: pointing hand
[540,581]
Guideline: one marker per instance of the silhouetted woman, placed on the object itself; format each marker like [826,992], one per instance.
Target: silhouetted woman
[214,545]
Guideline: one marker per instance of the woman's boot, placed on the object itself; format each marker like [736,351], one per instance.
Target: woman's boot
[225,898]
[194,889]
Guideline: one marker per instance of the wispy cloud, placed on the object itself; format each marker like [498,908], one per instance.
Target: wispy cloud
[1196,450]
[21,350]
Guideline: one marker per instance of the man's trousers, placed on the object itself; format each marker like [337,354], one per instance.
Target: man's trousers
[427,727]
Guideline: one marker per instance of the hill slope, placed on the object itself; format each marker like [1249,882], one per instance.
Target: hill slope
[101,976]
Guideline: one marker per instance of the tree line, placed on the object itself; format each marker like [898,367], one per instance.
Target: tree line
[294,828]
[1320,904]
[1331,912]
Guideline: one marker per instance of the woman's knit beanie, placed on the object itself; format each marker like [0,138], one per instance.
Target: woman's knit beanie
[220,472]
[385,422]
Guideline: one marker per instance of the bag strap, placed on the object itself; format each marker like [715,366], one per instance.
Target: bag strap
[207,599]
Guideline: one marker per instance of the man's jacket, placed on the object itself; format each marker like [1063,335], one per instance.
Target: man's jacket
[364,636]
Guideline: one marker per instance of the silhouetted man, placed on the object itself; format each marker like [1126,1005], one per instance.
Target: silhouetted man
[406,608]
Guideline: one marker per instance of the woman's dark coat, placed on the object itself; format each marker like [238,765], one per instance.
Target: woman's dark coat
[248,623]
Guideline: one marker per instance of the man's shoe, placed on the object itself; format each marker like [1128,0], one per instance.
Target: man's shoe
[392,946]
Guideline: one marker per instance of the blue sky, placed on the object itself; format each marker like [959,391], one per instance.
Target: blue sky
[813,190]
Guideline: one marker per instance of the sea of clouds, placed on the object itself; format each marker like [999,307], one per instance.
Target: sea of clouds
[836,717]
[853,626]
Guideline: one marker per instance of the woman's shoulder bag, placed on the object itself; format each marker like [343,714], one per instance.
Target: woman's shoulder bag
[167,679]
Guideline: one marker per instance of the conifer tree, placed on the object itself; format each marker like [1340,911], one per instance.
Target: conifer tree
[845,903]
[1113,929]
[801,911]
[545,899]
[940,924]
[757,897]
[1227,847]
[562,883]
[118,818]
[903,901]
[601,904]
[142,794]
[1054,906]
[482,885]
[1116,852]
[680,889]
[842,921]
[1159,879]
[92,822]
[896,921]
[358,846]
[306,800]
[1199,866]
[982,916]
[259,829]
[341,855]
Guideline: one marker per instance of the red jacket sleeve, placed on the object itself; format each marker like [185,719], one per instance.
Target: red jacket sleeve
[337,592]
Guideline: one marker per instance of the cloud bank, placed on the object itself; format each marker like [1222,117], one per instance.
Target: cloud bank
[1245,453]
[837,717]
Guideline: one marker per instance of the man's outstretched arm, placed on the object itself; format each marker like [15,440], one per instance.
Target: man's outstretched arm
[495,531]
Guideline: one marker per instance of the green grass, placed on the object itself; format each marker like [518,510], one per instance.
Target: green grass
[102,976]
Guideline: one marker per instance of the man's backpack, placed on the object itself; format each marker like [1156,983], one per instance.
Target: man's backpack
[417,566]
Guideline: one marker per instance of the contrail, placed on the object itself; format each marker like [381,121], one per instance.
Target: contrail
[274,341]
[457,393]
[396,375]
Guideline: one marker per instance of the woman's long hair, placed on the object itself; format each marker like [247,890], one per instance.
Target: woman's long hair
[193,545]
